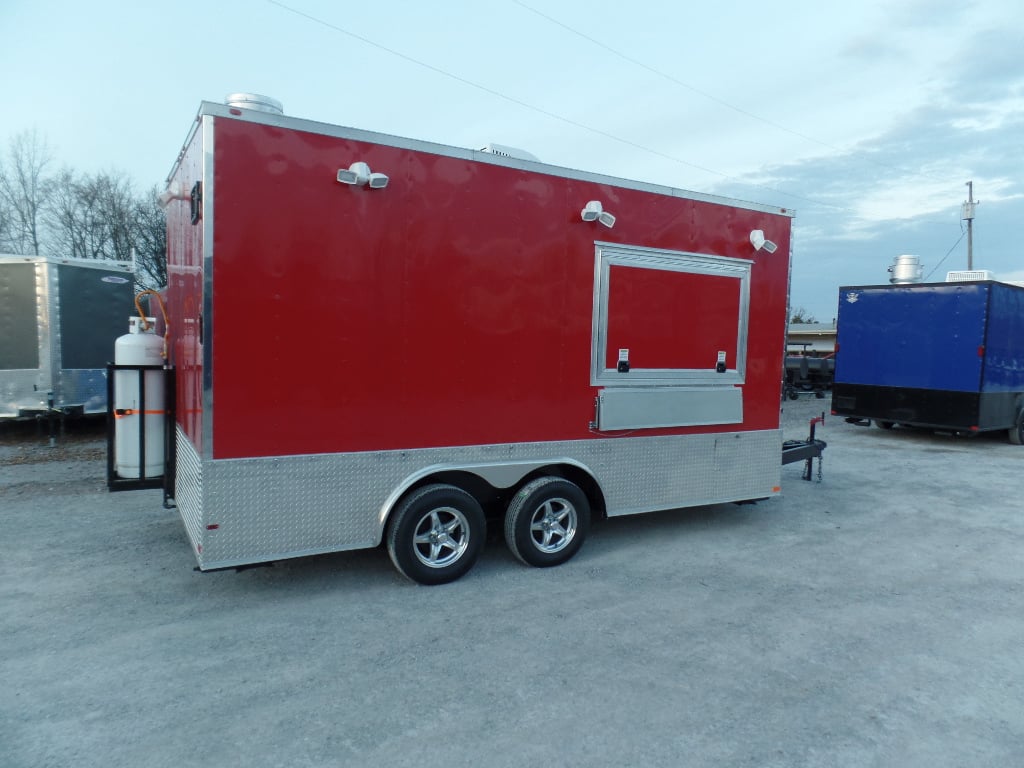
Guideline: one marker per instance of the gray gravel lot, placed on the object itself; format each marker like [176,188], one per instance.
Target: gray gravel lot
[873,619]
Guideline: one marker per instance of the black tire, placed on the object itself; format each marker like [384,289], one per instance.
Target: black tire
[435,534]
[547,521]
[885,424]
[1016,432]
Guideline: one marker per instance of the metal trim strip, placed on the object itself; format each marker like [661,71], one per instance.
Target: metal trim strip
[607,255]
[207,223]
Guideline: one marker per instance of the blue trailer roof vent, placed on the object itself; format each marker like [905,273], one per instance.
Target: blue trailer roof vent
[905,269]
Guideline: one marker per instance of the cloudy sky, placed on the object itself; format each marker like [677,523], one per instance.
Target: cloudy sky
[868,118]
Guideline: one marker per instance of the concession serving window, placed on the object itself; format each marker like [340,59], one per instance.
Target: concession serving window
[669,337]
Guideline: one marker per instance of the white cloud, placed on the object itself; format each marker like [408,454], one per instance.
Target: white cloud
[991,116]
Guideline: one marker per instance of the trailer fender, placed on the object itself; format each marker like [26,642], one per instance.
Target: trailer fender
[500,475]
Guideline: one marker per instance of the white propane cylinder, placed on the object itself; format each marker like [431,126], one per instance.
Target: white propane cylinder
[138,347]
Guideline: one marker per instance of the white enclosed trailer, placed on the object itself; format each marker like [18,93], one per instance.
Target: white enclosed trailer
[58,322]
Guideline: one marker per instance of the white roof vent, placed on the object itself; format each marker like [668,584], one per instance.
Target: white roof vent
[967,275]
[513,152]
[254,101]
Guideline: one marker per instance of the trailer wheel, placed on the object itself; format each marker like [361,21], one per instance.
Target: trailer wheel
[1016,432]
[885,424]
[435,534]
[547,521]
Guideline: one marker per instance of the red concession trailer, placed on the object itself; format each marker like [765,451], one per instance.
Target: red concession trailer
[377,339]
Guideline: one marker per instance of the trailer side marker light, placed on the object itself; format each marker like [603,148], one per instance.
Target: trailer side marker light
[974,429]
[213,526]
[981,350]
[776,488]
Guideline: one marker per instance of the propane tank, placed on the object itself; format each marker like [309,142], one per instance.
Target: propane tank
[138,347]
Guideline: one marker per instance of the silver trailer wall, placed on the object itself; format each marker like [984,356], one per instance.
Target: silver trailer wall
[58,322]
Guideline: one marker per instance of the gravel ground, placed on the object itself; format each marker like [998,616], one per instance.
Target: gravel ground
[872,619]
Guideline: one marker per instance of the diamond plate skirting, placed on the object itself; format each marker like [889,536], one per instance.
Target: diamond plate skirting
[188,490]
[242,511]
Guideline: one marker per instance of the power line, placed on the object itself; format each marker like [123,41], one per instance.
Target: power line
[712,97]
[542,111]
[962,234]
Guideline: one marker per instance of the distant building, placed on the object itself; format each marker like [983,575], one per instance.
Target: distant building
[815,339]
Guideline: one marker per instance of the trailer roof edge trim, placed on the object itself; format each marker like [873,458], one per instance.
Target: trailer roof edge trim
[214,109]
[951,284]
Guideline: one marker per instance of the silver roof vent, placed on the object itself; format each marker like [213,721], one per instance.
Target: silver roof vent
[906,269]
[254,101]
[503,151]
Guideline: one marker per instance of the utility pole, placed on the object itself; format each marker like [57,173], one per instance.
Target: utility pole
[967,214]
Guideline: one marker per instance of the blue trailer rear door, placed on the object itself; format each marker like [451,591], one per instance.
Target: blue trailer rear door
[927,336]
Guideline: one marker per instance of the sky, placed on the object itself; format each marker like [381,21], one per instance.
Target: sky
[867,118]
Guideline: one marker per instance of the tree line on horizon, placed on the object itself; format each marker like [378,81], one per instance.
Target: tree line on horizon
[66,213]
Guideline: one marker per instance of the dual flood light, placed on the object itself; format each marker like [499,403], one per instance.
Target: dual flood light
[360,175]
[594,211]
[758,240]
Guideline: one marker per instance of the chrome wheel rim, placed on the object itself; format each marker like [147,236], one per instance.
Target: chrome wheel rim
[441,537]
[553,525]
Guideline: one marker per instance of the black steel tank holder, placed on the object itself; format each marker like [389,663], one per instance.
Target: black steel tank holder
[166,480]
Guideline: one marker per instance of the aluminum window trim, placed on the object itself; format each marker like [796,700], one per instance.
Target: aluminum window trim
[607,255]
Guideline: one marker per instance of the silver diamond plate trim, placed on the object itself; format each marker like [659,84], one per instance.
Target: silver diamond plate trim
[188,489]
[274,508]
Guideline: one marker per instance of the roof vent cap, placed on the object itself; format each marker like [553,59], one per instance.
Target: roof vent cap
[254,101]
[906,269]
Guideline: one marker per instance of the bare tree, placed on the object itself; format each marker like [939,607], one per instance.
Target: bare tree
[150,229]
[67,223]
[5,219]
[801,315]
[92,217]
[83,216]
[24,190]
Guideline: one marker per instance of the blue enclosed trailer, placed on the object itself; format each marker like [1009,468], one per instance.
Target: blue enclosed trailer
[948,356]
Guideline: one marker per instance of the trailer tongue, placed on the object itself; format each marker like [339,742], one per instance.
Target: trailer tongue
[380,340]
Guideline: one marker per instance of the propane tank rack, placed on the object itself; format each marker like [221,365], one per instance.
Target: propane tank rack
[165,479]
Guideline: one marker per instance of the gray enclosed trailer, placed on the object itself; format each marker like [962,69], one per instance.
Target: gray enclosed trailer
[58,322]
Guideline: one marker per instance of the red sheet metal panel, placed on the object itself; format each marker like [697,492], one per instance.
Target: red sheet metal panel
[453,307]
[185,294]
[672,320]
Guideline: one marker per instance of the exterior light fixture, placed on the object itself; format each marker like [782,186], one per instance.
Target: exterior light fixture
[359,174]
[757,239]
[593,211]
[175,191]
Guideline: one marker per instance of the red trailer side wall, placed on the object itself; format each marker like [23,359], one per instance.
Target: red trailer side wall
[453,307]
[185,295]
